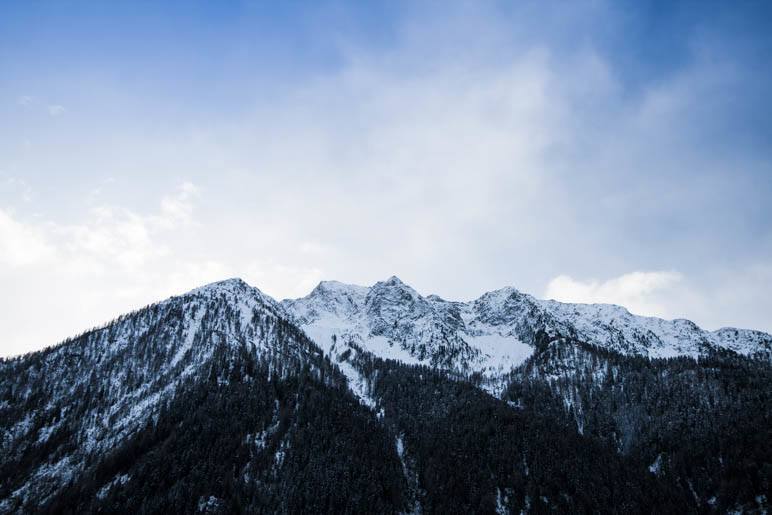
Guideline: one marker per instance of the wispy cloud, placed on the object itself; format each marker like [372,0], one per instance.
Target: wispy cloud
[177,208]
[113,260]
[22,245]
[56,110]
[641,292]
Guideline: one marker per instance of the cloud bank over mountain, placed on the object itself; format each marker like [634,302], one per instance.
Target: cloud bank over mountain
[463,148]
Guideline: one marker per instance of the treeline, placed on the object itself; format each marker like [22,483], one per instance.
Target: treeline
[472,453]
[585,429]
[703,425]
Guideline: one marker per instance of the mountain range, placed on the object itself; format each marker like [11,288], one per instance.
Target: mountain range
[381,400]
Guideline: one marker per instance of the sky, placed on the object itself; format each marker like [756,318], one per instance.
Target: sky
[587,151]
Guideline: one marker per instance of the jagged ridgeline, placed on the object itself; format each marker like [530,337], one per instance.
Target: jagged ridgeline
[380,400]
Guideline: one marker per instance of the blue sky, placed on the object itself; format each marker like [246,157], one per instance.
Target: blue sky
[586,151]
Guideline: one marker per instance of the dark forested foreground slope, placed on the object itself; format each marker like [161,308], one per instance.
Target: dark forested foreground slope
[217,402]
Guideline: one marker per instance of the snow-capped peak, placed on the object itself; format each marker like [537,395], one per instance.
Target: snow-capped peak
[394,281]
[234,287]
[497,330]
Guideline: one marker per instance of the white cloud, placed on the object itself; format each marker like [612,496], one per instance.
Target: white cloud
[469,153]
[282,281]
[24,100]
[56,110]
[77,275]
[728,297]
[641,292]
[119,237]
[177,208]
[113,235]
[22,244]
[313,248]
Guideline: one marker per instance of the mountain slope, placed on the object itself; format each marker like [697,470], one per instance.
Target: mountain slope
[691,407]
[66,408]
[378,399]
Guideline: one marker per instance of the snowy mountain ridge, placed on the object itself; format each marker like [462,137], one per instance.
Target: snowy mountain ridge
[497,331]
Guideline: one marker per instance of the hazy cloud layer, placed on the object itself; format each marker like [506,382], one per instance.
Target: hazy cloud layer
[641,292]
[463,149]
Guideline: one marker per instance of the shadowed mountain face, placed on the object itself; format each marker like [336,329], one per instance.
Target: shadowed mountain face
[378,399]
